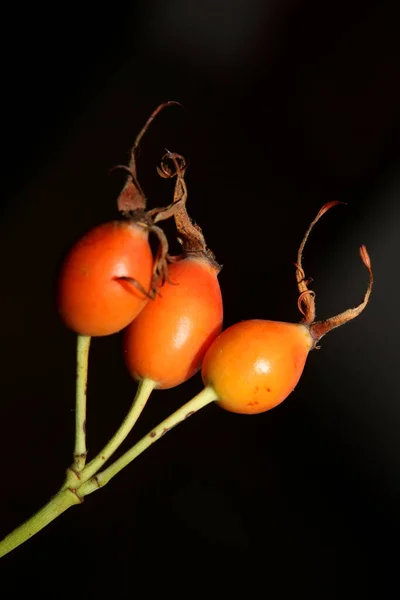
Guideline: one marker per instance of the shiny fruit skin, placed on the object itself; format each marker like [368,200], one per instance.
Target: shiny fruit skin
[254,365]
[91,299]
[167,341]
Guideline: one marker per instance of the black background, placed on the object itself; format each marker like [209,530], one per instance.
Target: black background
[288,105]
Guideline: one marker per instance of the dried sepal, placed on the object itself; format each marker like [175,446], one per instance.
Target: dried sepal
[132,206]
[320,328]
[132,196]
[306,299]
[190,235]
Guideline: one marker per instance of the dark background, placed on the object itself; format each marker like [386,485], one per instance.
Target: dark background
[288,105]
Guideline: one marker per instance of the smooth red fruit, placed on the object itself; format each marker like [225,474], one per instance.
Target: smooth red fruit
[92,300]
[254,365]
[167,341]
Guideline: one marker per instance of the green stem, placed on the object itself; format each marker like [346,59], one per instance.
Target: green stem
[54,508]
[82,359]
[69,496]
[206,396]
[146,386]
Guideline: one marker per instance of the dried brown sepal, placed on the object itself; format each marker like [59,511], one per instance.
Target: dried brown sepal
[320,328]
[132,206]
[137,285]
[132,196]
[161,214]
[160,267]
[306,299]
[190,235]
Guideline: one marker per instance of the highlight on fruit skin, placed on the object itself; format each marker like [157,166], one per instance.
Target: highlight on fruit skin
[254,365]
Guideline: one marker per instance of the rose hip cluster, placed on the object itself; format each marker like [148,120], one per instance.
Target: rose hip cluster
[171,306]
[171,311]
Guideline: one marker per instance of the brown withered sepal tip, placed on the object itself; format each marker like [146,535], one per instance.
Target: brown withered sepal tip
[132,203]
[306,299]
[190,235]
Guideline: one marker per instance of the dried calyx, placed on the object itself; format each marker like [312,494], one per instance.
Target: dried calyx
[306,300]
[190,234]
[132,206]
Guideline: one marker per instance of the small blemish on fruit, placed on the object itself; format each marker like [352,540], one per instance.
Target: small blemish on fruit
[252,403]
[267,389]
[153,434]
[256,389]
[189,414]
